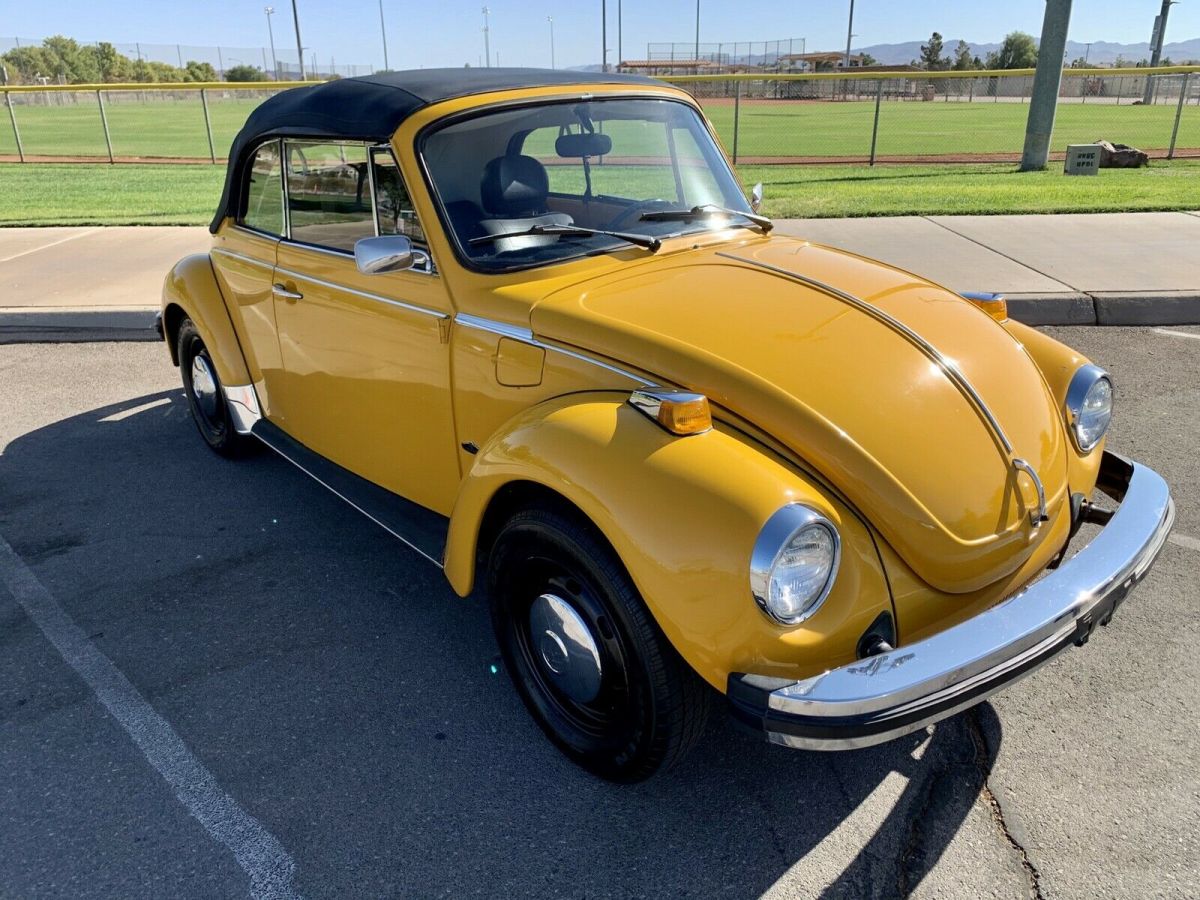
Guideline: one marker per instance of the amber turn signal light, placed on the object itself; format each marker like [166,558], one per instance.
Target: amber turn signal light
[993,304]
[676,411]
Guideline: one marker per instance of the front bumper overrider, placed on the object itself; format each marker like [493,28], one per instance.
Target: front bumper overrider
[887,696]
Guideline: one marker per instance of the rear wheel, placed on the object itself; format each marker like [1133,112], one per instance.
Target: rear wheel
[585,654]
[205,397]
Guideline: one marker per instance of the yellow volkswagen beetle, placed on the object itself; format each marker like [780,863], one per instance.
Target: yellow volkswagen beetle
[529,323]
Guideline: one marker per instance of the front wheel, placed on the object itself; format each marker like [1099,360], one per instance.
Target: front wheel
[585,654]
[205,397]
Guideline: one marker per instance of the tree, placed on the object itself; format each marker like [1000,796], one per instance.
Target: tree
[931,54]
[869,60]
[963,61]
[199,71]
[245,73]
[1019,51]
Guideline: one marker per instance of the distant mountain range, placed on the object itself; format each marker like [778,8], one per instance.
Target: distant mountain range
[1102,52]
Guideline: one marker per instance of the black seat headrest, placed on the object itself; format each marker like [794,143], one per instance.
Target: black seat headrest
[514,186]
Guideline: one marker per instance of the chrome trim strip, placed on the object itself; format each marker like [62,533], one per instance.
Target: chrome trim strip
[242,257]
[778,531]
[922,683]
[524,334]
[300,276]
[244,411]
[948,368]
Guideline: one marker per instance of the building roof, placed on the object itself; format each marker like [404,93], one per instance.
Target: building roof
[372,107]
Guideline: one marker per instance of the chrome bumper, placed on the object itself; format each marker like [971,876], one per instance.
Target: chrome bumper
[895,693]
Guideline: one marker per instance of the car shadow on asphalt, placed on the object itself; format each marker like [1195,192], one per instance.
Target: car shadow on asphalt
[350,701]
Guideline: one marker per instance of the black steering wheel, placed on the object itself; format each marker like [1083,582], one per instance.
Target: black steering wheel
[629,214]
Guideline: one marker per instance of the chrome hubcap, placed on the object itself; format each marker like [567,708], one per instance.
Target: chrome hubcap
[204,386]
[564,648]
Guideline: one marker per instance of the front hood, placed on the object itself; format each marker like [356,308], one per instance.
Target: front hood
[852,395]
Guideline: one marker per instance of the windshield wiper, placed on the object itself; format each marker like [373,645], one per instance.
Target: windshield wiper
[703,211]
[650,243]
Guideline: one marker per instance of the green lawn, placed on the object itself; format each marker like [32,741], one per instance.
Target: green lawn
[69,194]
[161,125]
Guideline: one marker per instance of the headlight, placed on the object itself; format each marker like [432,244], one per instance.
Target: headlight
[1089,406]
[794,563]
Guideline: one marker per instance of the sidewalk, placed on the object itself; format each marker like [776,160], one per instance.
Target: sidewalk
[1110,269]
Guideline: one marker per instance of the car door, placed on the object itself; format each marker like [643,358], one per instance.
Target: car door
[243,258]
[366,377]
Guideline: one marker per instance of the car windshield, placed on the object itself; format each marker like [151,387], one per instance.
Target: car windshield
[566,170]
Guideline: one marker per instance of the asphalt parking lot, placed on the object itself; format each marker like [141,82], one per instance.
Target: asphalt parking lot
[217,680]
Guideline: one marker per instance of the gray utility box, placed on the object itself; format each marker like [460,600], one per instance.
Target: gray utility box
[1082,159]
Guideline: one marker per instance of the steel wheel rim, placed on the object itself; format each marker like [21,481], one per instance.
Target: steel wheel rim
[204,388]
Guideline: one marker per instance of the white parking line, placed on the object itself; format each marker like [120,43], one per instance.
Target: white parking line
[1181,334]
[134,410]
[69,237]
[1183,540]
[257,851]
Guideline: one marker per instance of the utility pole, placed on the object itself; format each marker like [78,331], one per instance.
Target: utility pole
[550,19]
[299,47]
[383,34]
[1044,101]
[487,41]
[849,37]
[270,11]
[1156,45]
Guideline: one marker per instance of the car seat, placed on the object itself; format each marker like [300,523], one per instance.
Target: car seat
[514,191]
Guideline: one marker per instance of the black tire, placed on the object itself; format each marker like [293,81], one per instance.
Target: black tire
[651,707]
[209,412]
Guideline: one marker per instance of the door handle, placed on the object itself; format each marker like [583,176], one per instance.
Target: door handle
[280,291]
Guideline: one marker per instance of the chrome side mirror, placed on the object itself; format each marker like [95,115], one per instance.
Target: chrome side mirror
[756,196]
[387,253]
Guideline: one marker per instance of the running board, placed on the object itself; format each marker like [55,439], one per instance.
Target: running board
[421,529]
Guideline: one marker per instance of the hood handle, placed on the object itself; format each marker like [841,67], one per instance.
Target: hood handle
[1040,516]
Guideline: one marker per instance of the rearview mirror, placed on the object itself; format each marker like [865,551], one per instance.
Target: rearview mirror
[756,196]
[581,145]
[386,253]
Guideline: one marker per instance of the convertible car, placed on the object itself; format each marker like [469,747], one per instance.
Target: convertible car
[530,323]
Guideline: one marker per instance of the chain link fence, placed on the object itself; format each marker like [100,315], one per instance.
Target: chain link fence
[945,116]
[884,117]
[279,63]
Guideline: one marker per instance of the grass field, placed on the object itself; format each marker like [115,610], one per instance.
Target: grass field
[169,127]
[67,194]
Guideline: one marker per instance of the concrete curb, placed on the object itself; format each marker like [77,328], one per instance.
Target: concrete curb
[26,325]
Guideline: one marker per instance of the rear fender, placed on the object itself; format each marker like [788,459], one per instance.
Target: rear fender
[190,291]
[682,514]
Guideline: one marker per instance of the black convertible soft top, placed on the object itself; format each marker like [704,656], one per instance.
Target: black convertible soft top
[372,107]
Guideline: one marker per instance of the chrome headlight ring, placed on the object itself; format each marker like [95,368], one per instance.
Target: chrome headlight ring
[788,528]
[1088,406]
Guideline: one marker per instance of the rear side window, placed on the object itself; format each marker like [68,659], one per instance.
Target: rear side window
[392,201]
[264,193]
[328,194]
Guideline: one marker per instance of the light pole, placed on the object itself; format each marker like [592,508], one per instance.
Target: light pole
[1087,52]
[697,55]
[270,11]
[620,54]
[383,34]
[603,35]
[550,19]
[1156,41]
[487,43]
[849,37]
[1043,102]
[299,47]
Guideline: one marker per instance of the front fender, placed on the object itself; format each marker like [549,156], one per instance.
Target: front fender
[682,513]
[190,289]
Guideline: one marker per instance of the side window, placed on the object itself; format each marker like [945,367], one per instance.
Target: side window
[328,194]
[264,191]
[393,205]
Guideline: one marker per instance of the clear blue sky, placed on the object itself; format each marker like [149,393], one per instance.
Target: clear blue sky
[448,32]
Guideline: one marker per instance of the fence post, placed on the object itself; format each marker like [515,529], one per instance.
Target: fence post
[737,110]
[12,116]
[1178,112]
[875,127]
[104,122]
[212,152]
